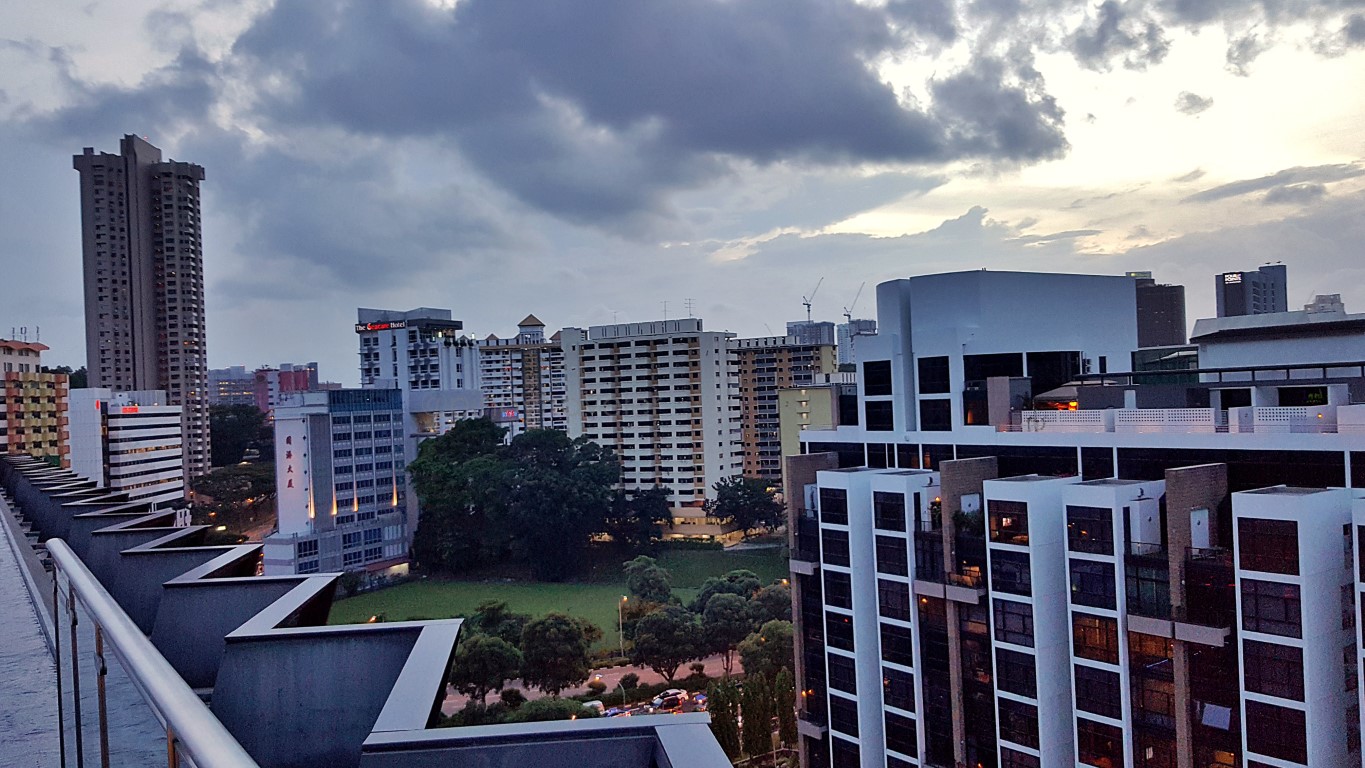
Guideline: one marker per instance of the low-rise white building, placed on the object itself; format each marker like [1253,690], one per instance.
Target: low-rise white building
[132,442]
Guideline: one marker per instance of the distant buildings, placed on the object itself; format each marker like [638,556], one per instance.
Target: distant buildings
[271,385]
[850,334]
[812,332]
[827,402]
[1161,312]
[522,378]
[1252,293]
[234,385]
[33,407]
[1322,332]
[131,442]
[663,396]
[142,256]
[768,365]
[340,483]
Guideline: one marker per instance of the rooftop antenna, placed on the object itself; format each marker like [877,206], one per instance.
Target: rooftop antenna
[807,299]
[848,311]
[690,304]
[770,329]
[665,310]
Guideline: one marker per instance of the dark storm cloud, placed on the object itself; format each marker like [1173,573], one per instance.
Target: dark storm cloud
[1295,194]
[1317,174]
[989,112]
[1354,31]
[1120,32]
[1188,103]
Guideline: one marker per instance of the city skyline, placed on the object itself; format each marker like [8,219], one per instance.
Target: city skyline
[1187,140]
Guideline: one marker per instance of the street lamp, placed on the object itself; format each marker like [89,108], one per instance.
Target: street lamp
[621,624]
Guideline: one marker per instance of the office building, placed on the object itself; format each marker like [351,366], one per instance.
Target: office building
[33,406]
[143,261]
[129,442]
[271,385]
[340,483]
[1152,579]
[522,378]
[812,332]
[664,397]
[850,335]
[1160,312]
[1264,291]
[768,365]
[234,385]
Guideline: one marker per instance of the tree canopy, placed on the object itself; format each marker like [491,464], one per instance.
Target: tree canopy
[647,580]
[235,428]
[768,650]
[484,663]
[745,502]
[554,652]
[666,639]
[773,602]
[741,581]
[725,622]
[493,617]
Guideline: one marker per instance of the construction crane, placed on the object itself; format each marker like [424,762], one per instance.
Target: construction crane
[807,299]
[848,311]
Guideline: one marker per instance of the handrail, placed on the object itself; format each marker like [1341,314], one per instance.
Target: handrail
[188,720]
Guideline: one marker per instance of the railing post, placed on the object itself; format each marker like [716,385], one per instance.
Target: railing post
[57,656]
[75,674]
[172,759]
[100,671]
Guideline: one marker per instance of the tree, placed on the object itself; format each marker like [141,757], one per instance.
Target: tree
[76,379]
[647,580]
[768,650]
[784,699]
[636,521]
[554,651]
[740,581]
[456,477]
[772,603]
[484,663]
[666,639]
[726,622]
[757,705]
[746,502]
[722,699]
[542,710]
[493,617]
[235,428]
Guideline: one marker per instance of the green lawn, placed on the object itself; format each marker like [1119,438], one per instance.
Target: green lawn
[595,601]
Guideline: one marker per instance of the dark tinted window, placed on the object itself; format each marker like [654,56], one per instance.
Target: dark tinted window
[844,754]
[933,376]
[1273,669]
[982,367]
[893,555]
[1271,607]
[843,715]
[1276,731]
[1011,758]
[838,589]
[839,631]
[893,599]
[877,377]
[834,547]
[1098,744]
[1098,691]
[1095,637]
[843,674]
[1019,723]
[1271,546]
[878,416]
[898,645]
[1009,521]
[935,416]
[898,689]
[1010,572]
[1092,583]
[834,506]
[901,736]
[1016,672]
[1013,622]
[888,510]
[1090,529]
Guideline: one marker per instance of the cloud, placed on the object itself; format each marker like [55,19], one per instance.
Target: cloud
[1354,31]
[1195,175]
[1188,103]
[1120,32]
[1314,174]
[1243,50]
[1295,194]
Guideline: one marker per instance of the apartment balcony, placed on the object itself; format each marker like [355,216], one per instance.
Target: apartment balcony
[1323,419]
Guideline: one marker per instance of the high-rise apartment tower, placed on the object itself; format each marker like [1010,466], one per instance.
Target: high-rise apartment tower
[144,281]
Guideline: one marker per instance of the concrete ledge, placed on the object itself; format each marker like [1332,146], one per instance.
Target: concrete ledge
[968,595]
[804,567]
[930,589]
[1150,626]
[1216,637]
[810,730]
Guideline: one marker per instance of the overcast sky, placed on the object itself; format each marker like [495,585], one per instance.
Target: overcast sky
[589,160]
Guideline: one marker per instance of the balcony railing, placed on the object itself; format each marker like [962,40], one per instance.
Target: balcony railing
[1320,419]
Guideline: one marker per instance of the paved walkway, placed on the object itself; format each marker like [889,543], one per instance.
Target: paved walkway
[28,719]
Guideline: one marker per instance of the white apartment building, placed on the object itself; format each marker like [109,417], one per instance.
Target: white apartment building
[132,442]
[851,335]
[522,378]
[663,396]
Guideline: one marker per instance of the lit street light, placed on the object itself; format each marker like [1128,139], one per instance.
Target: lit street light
[621,624]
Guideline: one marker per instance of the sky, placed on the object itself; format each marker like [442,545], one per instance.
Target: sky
[605,161]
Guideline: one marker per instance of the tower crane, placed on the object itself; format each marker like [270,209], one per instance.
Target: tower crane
[807,299]
[848,311]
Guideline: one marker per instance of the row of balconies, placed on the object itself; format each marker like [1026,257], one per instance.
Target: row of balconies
[1243,420]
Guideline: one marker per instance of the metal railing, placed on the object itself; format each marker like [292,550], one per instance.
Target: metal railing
[193,734]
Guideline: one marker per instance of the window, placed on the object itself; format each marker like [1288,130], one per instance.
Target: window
[1098,744]
[843,675]
[933,376]
[1271,607]
[1098,692]
[834,547]
[306,548]
[843,715]
[901,735]
[888,510]
[844,754]
[877,378]
[1018,722]
[898,689]
[1276,732]
[1010,572]
[893,555]
[1009,521]
[351,539]
[834,506]
[935,416]
[839,631]
[1271,546]
[1013,622]
[1016,672]
[1095,637]
[1090,529]
[1273,669]
[838,590]
[898,645]
[1010,758]
[1149,590]
[879,416]
[1092,583]
[893,599]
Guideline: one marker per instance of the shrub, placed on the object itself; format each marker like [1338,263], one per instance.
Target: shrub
[597,687]
[545,709]
[630,680]
[698,668]
[512,698]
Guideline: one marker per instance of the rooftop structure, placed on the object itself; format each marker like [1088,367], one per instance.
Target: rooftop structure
[1265,291]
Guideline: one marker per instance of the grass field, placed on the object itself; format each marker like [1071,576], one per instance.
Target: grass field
[593,600]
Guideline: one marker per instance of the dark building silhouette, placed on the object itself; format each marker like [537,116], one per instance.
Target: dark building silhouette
[1160,311]
[1253,293]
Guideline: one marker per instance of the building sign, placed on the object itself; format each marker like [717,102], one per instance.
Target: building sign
[292,485]
[129,409]
[395,325]
[1232,278]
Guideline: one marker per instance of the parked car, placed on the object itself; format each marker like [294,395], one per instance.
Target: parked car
[596,706]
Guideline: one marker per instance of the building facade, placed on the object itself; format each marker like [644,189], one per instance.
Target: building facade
[850,335]
[813,331]
[1264,291]
[341,484]
[130,442]
[768,365]
[234,385]
[1161,313]
[271,385]
[524,376]
[33,408]
[664,397]
[143,263]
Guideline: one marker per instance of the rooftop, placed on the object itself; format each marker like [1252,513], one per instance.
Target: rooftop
[1287,490]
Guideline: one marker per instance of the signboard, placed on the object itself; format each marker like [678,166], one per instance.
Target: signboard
[1232,278]
[390,326]
[291,476]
